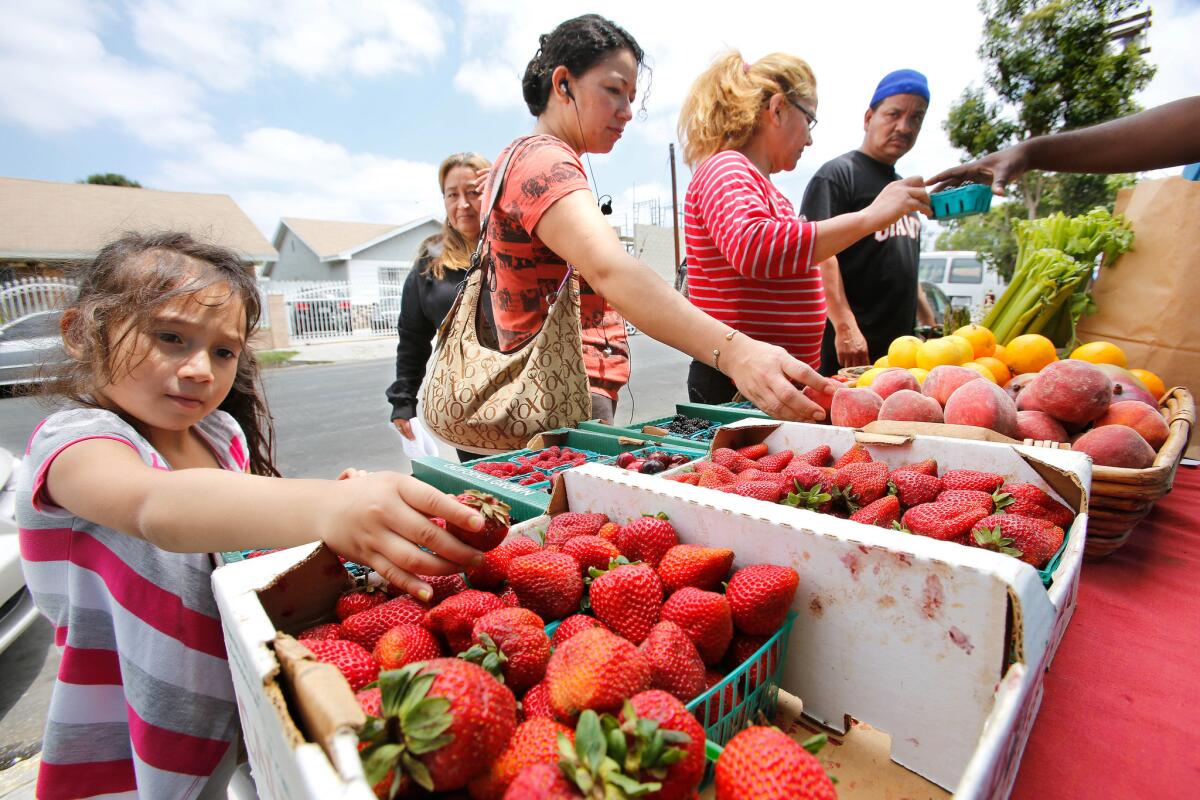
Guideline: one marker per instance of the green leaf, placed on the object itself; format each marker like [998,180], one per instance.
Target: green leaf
[617,749]
[813,744]
[589,740]
[418,772]
[377,761]
[672,755]
[423,746]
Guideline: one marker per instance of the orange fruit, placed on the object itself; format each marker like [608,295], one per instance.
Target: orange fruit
[1153,383]
[936,352]
[999,353]
[1029,352]
[998,368]
[1100,353]
[982,340]
[982,370]
[902,352]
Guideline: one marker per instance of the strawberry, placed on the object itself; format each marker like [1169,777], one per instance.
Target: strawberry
[648,539]
[861,483]
[743,648]
[514,652]
[366,627]
[610,531]
[768,491]
[723,701]
[762,762]
[731,459]
[715,480]
[752,474]
[913,487]
[358,601]
[493,571]
[627,599]
[856,454]
[455,616]
[370,701]
[775,462]
[495,520]
[507,616]
[595,669]
[535,741]
[717,474]
[443,586]
[548,583]
[405,644]
[1030,501]
[753,451]
[675,664]
[536,702]
[972,479]
[570,524]
[355,663]
[883,512]
[705,617]
[760,596]
[693,565]
[805,476]
[573,625]
[329,630]
[441,732]
[819,498]
[509,597]
[1034,541]
[681,777]
[819,456]
[972,497]
[541,782]
[949,522]
[590,551]
[927,467]
[684,477]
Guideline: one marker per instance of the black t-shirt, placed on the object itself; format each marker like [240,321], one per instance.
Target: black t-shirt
[879,272]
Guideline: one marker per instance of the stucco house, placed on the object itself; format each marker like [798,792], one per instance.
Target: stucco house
[361,253]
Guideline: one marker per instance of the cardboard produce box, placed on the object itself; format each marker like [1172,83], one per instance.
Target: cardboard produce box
[939,646]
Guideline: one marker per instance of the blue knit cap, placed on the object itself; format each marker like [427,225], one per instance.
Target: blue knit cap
[902,81]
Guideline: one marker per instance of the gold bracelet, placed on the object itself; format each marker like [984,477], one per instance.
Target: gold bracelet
[717,352]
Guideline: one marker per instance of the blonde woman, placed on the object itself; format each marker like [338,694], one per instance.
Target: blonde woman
[752,263]
[431,286]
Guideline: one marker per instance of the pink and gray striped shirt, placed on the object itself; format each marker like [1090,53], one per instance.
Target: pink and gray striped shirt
[144,703]
[750,257]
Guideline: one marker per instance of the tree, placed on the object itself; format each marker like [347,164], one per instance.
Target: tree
[110,179]
[1050,65]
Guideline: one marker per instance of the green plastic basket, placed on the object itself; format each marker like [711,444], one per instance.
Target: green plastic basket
[975,198]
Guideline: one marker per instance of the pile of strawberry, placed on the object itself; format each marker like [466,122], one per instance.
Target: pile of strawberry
[968,507]
[468,690]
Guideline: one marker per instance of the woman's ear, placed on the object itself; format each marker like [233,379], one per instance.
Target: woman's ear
[560,83]
[775,108]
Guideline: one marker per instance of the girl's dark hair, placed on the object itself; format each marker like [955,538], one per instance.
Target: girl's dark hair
[576,44]
[119,292]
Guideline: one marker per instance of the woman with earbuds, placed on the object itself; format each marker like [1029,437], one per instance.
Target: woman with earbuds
[581,86]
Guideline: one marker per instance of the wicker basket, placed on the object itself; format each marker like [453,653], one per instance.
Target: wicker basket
[852,373]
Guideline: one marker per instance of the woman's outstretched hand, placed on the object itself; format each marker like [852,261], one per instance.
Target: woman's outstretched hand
[769,377]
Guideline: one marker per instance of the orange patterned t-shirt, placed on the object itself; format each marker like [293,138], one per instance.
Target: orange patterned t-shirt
[542,171]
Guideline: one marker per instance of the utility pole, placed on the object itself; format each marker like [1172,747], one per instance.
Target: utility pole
[674,212]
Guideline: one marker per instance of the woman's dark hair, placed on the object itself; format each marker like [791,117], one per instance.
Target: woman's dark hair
[576,44]
[119,292]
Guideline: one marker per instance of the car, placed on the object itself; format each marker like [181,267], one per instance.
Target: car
[962,276]
[26,343]
[319,314]
[937,299]
[385,314]
[17,611]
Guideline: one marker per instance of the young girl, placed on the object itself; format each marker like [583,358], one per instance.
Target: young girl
[163,457]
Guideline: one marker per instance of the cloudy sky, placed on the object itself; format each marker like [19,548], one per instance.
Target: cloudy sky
[341,109]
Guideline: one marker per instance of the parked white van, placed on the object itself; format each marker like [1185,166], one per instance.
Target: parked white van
[962,276]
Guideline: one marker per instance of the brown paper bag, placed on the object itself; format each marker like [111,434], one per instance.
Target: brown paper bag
[1149,300]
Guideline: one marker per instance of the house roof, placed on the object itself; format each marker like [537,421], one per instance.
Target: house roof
[338,241]
[43,220]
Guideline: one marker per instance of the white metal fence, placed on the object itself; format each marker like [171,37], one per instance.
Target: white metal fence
[21,297]
[329,310]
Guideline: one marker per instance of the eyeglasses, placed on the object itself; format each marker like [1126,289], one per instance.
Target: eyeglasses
[812,118]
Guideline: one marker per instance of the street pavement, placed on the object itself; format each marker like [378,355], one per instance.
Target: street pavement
[330,413]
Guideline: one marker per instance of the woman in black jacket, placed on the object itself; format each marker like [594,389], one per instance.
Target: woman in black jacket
[432,285]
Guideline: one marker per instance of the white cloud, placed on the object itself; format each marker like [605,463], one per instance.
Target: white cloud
[58,76]
[274,172]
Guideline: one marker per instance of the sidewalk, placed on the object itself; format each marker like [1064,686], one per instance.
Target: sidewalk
[344,350]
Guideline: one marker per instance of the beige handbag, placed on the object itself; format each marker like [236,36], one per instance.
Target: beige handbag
[483,400]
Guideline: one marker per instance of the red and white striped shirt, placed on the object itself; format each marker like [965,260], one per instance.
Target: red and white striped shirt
[750,257]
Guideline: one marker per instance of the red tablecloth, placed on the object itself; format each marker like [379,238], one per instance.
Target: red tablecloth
[1121,714]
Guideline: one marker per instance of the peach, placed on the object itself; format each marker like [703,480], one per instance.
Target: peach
[1116,446]
[1040,426]
[1017,385]
[943,380]
[853,408]
[893,380]
[982,404]
[1071,391]
[1139,416]
[908,406]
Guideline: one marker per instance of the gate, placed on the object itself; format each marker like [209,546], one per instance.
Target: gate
[21,297]
[319,311]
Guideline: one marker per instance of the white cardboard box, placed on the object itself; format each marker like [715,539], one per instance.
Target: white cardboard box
[941,646]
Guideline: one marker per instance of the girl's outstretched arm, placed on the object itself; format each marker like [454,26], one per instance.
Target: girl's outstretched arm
[378,519]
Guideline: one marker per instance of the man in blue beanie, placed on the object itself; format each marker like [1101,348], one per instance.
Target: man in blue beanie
[871,287]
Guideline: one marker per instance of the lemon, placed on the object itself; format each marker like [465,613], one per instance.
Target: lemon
[902,352]
[1100,353]
[964,346]
[981,369]
[937,352]
[919,374]
[882,362]
[982,340]
[867,377]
